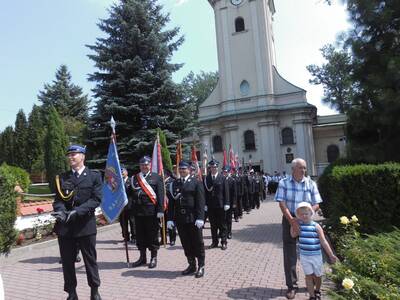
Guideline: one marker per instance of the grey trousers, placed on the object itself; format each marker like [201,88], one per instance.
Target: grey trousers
[289,255]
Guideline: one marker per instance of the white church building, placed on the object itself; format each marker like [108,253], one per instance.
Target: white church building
[265,118]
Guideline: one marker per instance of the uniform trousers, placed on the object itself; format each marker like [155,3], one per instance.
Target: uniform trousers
[192,242]
[147,233]
[127,221]
[68,250]
[289,255]
[228,215]
[218,223]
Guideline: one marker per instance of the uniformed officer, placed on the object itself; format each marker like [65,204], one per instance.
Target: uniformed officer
[126,218]
[232,200]
[217,202]
[186,209]
[79,192]
[169,180]
[148,195]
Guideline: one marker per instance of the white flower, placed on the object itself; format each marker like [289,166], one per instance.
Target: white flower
[347,283]
[354,219]
[344,220]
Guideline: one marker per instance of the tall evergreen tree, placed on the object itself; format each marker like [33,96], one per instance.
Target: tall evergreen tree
[54,147]
[35,140]
[373,122]
[20,141]
[134,81]
[66,97]
[7,145]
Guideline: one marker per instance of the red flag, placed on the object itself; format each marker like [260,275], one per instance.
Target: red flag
[205,162]
[157,165]
[195,162]
[225,163]
[231,159]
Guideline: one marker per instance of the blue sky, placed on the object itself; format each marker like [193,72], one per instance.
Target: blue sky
[36,37]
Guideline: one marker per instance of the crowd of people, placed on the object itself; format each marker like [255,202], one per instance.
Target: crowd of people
[221,196]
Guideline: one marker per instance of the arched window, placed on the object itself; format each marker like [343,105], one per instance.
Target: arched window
[239,24]
[249,140]
[287,136]
[332,152]
[217,143]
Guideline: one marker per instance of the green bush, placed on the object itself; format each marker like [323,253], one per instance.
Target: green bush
[372,192]
[372,263]
[9,177]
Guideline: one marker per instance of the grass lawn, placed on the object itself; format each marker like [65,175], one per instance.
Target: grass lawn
[38,190]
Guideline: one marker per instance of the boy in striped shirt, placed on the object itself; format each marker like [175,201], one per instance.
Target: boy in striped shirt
[311,237]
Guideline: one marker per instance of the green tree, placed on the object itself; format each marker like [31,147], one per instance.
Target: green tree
[335,77]
[70,103]
[373,123]
[20,141]
[195,90]
[54,147]
[166,155]
[7,145]
[134,81]
[35,140]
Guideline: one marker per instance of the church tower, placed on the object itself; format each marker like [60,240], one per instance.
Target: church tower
[266,119]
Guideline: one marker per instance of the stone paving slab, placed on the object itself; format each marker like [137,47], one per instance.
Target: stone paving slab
[251,267]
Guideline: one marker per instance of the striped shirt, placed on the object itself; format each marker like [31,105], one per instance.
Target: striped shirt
[308,239]
[292,192]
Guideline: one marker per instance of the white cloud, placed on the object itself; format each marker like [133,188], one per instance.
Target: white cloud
[180,2]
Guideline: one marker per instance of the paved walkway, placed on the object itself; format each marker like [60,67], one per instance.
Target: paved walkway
[251,267]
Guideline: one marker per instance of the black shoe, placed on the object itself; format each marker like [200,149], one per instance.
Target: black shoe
[317,295]
[153,263]
[172,243]
[237,220]
[200,272]
[132,241]
[229,235]
[94,294]
[141,261]
[189,270]
[213,245]
[72,295]
[78,259]
[224,246]
[291,293]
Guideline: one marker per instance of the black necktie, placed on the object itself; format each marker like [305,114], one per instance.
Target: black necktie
[76,174]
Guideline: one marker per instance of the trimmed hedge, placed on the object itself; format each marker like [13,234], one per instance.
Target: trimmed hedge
[372,192]
[9,177]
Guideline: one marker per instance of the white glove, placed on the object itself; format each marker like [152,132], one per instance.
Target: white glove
[226,207]
[205,208]
[199,223]
[170,224]
[160,215]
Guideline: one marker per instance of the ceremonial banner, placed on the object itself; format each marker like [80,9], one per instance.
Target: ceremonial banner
[195,162]
[157,165]
[114,195]
[178,158]
[225,162]
[232,159]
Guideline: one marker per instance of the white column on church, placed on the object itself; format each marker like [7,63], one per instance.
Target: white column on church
[270,146]
[305,143]
[206,142]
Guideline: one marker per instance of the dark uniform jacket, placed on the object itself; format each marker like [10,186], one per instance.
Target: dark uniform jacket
[128,190]
[233,193]
[251,184]
[187,202]
[217,191]
[142,204]
[87,196]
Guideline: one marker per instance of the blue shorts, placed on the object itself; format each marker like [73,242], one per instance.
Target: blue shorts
[312,264]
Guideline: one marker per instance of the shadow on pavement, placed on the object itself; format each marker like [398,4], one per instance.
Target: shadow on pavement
[261,233]
[42,260]
[255,293]
[115,242]
[152,274]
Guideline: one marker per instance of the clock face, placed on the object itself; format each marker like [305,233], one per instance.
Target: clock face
[236,2]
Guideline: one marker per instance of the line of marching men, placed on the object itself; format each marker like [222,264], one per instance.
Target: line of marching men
[220,197]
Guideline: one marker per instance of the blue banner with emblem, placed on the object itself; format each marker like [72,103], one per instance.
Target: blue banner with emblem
[114,194]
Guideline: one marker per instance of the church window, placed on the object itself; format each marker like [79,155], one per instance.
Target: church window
[244,88]
[239,24]
[217,143]
[333,153]
[249,140]
[287,136]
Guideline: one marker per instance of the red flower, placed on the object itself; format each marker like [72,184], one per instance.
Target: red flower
[39,210]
